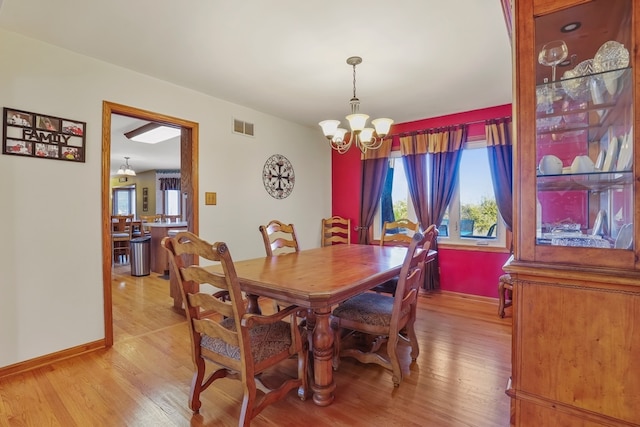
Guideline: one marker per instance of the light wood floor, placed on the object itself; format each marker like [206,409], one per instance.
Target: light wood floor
[143,380]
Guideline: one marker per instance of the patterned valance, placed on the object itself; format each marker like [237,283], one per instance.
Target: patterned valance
[381,153]
[498,131]
[438,140]
[169,184]
[414,144]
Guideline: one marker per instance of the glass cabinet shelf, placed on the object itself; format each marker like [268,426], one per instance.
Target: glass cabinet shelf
[592,181]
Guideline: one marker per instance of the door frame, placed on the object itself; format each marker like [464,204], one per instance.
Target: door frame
[189,187]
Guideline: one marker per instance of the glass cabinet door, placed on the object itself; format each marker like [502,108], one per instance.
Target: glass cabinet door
[584,126]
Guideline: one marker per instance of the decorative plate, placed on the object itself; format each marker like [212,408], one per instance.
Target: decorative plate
[600,160]
[278,176]
[612,156]
[625,237]
[611,56]
[600,227]
[626,153]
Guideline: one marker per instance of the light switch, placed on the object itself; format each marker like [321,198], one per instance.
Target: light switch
[210,198]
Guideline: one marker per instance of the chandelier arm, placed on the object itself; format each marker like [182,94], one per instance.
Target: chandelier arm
[375,144]
[341,146]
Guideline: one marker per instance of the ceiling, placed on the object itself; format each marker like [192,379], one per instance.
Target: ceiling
[287,58]
[143,157]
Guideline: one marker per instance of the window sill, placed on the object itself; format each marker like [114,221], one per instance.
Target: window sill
[472,248]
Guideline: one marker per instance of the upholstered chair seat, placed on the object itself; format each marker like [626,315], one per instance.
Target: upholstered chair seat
[266,341]
[505,293]
[369,308]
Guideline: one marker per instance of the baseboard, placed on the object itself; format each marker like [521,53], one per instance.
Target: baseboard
[479,298]
[48,359]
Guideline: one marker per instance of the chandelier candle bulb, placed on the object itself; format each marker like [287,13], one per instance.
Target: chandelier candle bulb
[366,135]
[382,125]
[329,127]
[339,136]
[357,122]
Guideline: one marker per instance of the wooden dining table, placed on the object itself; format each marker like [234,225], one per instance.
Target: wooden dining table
[318,279]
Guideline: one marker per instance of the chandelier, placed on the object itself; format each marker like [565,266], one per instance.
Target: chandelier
[125,170]
[365,138]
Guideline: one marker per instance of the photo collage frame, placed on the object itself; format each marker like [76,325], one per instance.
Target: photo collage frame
[39,135]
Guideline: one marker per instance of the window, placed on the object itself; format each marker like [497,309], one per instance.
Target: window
[171,202]
[124,200]
[395,202]
[472,217]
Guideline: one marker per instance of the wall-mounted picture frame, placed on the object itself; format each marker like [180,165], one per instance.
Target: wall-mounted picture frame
[145,199]
[31,134]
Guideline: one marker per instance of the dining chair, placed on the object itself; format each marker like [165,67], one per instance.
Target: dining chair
[466,227]
[137,230]
[382,317]
[279,238]
[149,218]
[505,293]
[121,234]
[242,345]
[171,218]
[396,233]
[336,230]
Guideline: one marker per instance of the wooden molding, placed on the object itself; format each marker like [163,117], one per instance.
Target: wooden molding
[48,359]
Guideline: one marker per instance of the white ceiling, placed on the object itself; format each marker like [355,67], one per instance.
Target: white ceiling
[143,157]
[421,58]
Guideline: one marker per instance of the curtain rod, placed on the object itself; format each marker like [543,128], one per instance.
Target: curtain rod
[421,131]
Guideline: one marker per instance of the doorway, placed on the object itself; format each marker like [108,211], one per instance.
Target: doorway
[188,181]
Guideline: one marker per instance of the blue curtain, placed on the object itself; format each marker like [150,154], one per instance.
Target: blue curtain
[386,202]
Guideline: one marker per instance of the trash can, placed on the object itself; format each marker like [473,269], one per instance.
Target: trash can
[140,256]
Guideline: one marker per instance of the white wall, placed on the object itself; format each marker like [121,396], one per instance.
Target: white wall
[51,256]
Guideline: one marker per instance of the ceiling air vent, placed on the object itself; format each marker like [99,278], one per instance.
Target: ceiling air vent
[243,128]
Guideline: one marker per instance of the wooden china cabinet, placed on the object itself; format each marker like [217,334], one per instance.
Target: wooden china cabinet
[576,263]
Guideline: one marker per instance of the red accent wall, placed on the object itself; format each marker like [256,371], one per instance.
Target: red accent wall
[470,272]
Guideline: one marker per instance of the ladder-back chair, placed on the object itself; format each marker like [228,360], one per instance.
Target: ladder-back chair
[336,230]
[382,316]
[241,345]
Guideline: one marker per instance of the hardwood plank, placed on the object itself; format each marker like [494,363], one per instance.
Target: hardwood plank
[458,380]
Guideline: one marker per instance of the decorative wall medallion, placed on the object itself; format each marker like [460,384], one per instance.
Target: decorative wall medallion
[278,176]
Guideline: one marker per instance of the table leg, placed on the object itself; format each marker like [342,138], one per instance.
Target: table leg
[252,304]
[323,385]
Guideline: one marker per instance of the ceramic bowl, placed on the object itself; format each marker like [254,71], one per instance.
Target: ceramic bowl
[550,165]
[582,164]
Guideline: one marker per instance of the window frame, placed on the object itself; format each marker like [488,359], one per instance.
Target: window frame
[131,190]
[395,156]
[165,202]
[454,216]
[454,238]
